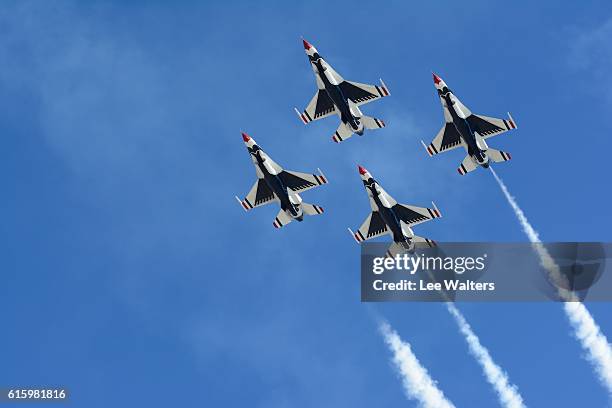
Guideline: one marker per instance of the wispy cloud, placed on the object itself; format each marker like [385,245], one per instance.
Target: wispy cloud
[417,383]
[590,53]
[586,330]
[506,392]
[591,48]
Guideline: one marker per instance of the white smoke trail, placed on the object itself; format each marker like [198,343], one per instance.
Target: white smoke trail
[592,340]
[507,393]
[417,383]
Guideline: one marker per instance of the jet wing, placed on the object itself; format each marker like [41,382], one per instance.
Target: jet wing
[260,194]
[373,226]
[301,181]
[487,127]
[320,106]
[363,93]
[412,215]
[447,139]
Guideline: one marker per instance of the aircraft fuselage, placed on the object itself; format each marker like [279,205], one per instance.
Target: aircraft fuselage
[387,214]
[277,186]
[337,96]
[465,131]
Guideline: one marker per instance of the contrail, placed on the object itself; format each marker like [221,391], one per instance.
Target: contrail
[507,393]
[417,383]
[592,340]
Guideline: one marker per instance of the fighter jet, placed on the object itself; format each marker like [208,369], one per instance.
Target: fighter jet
[281,186]
[463,128]
[335,95]
[389,217]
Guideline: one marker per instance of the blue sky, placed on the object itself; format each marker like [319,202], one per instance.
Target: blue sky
[131,275]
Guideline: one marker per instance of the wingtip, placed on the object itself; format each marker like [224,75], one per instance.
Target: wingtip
[322,176]
[383,84]
[512,121]
[353,235]
[301,116]
[241,203]
[437,210]
[427,149]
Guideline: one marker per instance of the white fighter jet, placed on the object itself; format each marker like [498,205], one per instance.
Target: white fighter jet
[389,217]
[463,128]
[335,95]
[275,185]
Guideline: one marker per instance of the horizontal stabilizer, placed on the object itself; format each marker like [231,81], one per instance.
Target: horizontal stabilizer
[497,155]
[281,219]
[311,209]
[372,123]
[467,165]
[344,132]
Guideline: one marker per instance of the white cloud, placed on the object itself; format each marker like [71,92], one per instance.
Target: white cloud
[591,48]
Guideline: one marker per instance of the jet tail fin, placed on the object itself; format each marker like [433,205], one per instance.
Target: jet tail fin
[372,123]
[497,155]
[467,165]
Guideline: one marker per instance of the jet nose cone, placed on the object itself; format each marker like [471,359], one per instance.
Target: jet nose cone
[245,137]
[362,170]
[436,79]
[307,45]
